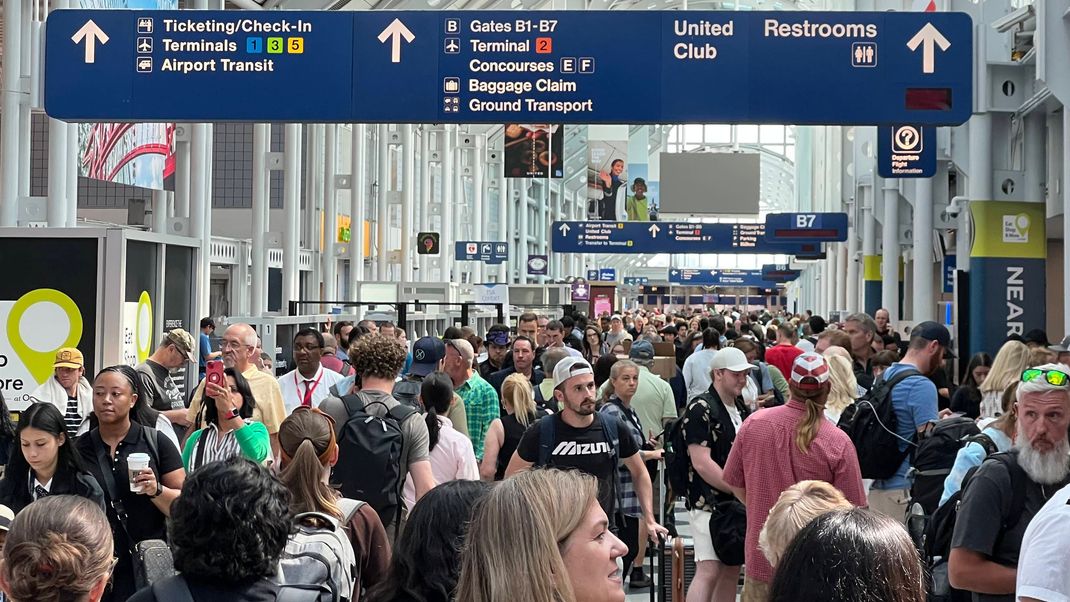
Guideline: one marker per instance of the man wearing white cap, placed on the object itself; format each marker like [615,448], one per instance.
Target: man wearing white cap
[580,438]
[777,448]
[709,428]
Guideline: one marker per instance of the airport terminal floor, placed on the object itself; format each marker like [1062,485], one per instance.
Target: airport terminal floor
[549,300]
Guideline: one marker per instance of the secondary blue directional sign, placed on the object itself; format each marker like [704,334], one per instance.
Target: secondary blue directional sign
[497,67]
[492,252]
[607,275]
[722,278]
[668,237]
[636,280]
[906,151]
[806,227]
[774,272]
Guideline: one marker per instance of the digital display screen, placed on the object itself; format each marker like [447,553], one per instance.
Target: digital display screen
[928,99]
[811,233]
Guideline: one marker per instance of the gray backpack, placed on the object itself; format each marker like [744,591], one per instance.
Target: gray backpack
[320,558]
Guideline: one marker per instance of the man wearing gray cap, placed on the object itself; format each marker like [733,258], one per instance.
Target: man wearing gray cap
[578,437]
[1062,350]
[158,387]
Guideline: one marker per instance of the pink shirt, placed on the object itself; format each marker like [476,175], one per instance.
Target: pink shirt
[765,461]
[453,458]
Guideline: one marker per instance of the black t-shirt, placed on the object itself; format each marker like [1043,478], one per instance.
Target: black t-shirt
[260,590]
[144,520]
[986,507]
[584,449]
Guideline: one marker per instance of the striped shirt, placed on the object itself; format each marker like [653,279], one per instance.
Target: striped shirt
[212,447]
[72,418]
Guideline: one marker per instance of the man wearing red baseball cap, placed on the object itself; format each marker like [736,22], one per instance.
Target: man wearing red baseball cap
[779,447]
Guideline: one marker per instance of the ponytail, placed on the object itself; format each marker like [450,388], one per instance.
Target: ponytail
[808,428]
[433,427]
[303,476]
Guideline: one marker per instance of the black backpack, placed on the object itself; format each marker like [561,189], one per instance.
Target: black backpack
[936,544]
[369,457]
[935,455]
[871,424]
[677,462]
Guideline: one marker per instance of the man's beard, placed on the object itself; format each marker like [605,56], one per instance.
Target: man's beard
[1044,468]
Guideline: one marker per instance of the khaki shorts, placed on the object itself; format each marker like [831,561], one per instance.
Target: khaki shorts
[892,502]
[754,591]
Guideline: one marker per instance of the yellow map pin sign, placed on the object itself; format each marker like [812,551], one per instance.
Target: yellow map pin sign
[36,329]
[143,327]
[1021,223]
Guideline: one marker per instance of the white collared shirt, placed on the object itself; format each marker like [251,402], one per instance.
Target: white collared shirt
[33,488]
[293,385]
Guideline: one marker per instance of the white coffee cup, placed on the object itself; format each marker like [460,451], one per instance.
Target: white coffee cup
[135,463]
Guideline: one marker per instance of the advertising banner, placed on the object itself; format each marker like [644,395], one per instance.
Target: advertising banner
[534,150]
[538,265]
[607,180]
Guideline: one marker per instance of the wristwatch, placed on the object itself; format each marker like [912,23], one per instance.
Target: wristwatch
[159,489]
[233,413]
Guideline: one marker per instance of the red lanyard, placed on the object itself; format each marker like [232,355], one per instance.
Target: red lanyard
[307,400]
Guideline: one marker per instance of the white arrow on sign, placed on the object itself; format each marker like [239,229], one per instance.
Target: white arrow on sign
[654,229]
[928,38]
[394,32]
[92,34]
[564,229]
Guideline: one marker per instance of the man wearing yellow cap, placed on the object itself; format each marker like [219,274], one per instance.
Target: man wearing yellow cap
[68,390]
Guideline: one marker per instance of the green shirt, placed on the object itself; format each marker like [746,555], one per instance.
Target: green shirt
[253,443]
[481,407]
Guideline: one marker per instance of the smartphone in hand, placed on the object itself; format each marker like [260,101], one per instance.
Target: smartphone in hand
[213,372]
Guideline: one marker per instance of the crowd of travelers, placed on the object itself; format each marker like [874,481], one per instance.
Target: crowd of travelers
[543,462]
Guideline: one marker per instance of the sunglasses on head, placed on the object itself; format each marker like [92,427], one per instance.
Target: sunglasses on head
[1055,378]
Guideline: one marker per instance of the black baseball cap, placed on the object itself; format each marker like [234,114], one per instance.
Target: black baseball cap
[427,352]
[934,331]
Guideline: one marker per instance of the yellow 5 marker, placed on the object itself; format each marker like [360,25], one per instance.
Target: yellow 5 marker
[36,341]
[143,327]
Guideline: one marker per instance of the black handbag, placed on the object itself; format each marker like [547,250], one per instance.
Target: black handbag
[728,529]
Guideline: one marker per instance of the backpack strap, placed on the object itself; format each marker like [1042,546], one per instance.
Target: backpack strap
[353,403]
[172,589]
[899,377]
[984,441]
[349,508]
[151,439]
[546,440]
[401,412]
[611,432]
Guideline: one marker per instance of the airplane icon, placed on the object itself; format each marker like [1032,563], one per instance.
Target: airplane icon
[144,45]
[453,45]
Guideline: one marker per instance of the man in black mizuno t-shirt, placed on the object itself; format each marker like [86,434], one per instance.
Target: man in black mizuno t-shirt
[581,441]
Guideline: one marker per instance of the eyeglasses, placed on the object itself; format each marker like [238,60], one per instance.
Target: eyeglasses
[225,344]
[1055,378]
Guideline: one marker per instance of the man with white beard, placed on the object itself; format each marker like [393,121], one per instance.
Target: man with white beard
[1010,488]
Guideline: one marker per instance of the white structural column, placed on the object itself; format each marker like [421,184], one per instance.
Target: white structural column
[408,201]
[159,209]
[424,206]
[480,231]
[261,138]
[9,115]
[72,180]
[446,237]
[843,263]
[510,235]
[198,199]
[522,246]
[330,212]
[979,182]
[890,241]
[853,261]
[1066,215]
[382,206]
[831,274]
[504,229]
[357,207]
[182,173]
[1034,156]
[56,208]
[291,208]
[924,299]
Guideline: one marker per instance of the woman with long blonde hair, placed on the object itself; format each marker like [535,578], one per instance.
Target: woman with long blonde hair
[1012,359]
[845,388]
[503,435]
[564,551]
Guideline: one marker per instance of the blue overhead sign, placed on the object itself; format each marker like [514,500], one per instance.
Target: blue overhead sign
[806,227]
[906,151]
[607,275]
[722,278]
[636,280]
[668,237]
[497,67]
[492,252]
